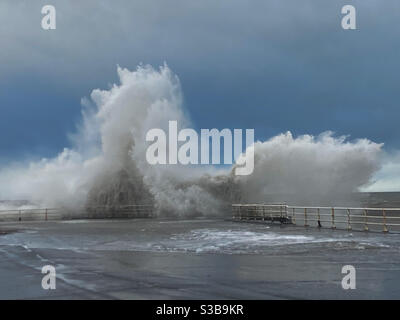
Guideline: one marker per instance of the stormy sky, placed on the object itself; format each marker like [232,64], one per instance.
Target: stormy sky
[271,65]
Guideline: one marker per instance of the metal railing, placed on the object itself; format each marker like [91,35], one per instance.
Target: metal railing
[348,218]
[94,212]
[264,212]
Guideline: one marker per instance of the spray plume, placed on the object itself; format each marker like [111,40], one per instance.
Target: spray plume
[107,165]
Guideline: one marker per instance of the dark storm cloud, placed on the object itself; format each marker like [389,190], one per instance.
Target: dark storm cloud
[269,65]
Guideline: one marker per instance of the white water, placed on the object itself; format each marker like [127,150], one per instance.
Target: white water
[108,158]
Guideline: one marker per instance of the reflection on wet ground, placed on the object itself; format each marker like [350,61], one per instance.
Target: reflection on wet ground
[202,258]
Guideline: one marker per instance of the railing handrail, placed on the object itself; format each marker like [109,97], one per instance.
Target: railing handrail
[313,207]
[258,204]
[305,214]
[345,208]
[76,208]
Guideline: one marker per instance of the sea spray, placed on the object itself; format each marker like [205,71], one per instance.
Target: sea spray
[107,163]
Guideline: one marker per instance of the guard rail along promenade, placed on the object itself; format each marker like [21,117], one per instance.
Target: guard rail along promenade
[99,212]
[345,218]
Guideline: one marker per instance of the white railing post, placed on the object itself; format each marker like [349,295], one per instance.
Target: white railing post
[365,220]
[384,221]
[294,216]
[333,218]
[348,220]
[305,217]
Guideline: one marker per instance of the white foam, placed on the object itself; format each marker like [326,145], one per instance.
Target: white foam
[111,139]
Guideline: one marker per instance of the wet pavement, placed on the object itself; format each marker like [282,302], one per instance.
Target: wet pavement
[194,259]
